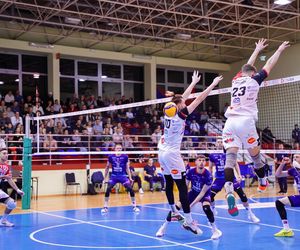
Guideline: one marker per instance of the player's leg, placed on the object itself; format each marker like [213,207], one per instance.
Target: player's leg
[111,183]
[211,218]
[126,183]
[10,206]
[231,143]
[293,201]
[150,180]
[139,182]
[215,188]
[240,192]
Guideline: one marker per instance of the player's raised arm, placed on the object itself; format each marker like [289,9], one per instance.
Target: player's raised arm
[203,94]
[279,173]
[195,79]
[260,45]
[274,58]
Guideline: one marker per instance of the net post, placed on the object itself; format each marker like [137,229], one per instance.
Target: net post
[27,166]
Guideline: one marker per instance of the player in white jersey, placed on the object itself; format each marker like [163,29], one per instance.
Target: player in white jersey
[239,130]
[169,156]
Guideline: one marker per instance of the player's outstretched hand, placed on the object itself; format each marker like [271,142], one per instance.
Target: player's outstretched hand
[196,76]
[169,93]
[217,80]
[261,44]
[284,45]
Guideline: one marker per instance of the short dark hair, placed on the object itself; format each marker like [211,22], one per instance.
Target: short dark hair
[248,68]
[177,99]
[200,157]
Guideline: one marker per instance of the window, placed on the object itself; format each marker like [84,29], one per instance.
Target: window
[111,90]
[160,91]
[8,61]
[176,90]
[67,88]
[160,75]
[30,83]
[67,67]
[189,78]
[7,83]
[88,88]
[209,77]
[35,64]
[111,71]
[87,69]
[175,76]
[135,91]
[134,73]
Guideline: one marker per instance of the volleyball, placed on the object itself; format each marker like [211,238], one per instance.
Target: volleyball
[170,109]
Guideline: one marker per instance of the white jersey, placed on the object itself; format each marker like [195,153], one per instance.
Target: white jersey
[173,131]
[244,93]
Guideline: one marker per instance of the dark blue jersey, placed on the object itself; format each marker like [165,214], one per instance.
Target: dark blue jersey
[119,164]
[150,169]
[199,180]
[219,161]
[296,174]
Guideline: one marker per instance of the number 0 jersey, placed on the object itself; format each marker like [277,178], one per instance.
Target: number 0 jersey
[244,94]
[173,131]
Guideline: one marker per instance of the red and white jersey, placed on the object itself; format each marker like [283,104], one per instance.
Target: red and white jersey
[4,169]
[244,93]
[173,131]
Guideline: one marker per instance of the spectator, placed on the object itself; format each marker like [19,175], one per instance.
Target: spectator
[156,136]
[76,139]
[107,140]
[38,107]
[4,120]
[187,165]
[282,181]
[129,115]
[16,119]
[58,129]
[151,175]
[267,135]
[136,178]
[18,97]
[296,134]
[194,128]
[10,114]
[2,107]
[118,136]
[16,107]
[65,140]
[89,128]
[56,106]
[9,98]
[9,129]
[50,144]
[128,143]
[146,129]
[203,117]
[61,120]
[98,127]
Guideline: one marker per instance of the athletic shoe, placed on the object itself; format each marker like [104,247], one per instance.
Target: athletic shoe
[136,209]
[104,210]
[285,233]
[262,188]
[141,191]
[162,230]
[232,208]
[216,234]
[6,223]
[177,217]
[192,227]
[253,218]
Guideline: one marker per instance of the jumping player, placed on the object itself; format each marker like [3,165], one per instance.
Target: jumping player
[292,200]
[239,130]
[120,169]
[169,156]
[218,160]
[201,180]
[5,174]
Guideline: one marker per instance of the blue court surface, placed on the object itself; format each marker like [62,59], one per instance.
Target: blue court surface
[123,229]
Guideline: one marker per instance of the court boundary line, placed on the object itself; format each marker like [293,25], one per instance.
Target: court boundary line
[113,228]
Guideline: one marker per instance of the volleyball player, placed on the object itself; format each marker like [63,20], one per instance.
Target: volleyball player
[218,160]
[5,174]
[292,200]
[239,130]
[120,170]
[169,156]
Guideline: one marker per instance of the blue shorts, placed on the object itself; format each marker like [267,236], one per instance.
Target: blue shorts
[295,200]
[218,184]
[193,194]
[119,179]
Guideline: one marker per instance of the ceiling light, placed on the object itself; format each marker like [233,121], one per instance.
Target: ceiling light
[103,77]
[81,80]
[183,36]
[72,20]
[41,45]
[283,2]
[262,58]
[36,76]
[1,82]
[17,80]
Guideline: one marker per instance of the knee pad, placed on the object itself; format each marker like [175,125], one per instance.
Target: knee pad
[258,164]
[231,159]
[209,213]
[241,194]
[281,209]
[11,204]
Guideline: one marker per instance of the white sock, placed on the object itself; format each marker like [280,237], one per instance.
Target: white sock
[173,208]
[106,202]
[4,217]
[213,227]
[263,181]
[188,218]
[133,201]
[228,187]
[285,224]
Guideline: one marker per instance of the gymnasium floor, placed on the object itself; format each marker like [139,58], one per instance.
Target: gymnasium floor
[86,228]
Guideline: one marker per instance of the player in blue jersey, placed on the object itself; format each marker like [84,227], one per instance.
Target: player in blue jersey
[292,200]
[201,180]
[120,174]
[218,160]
